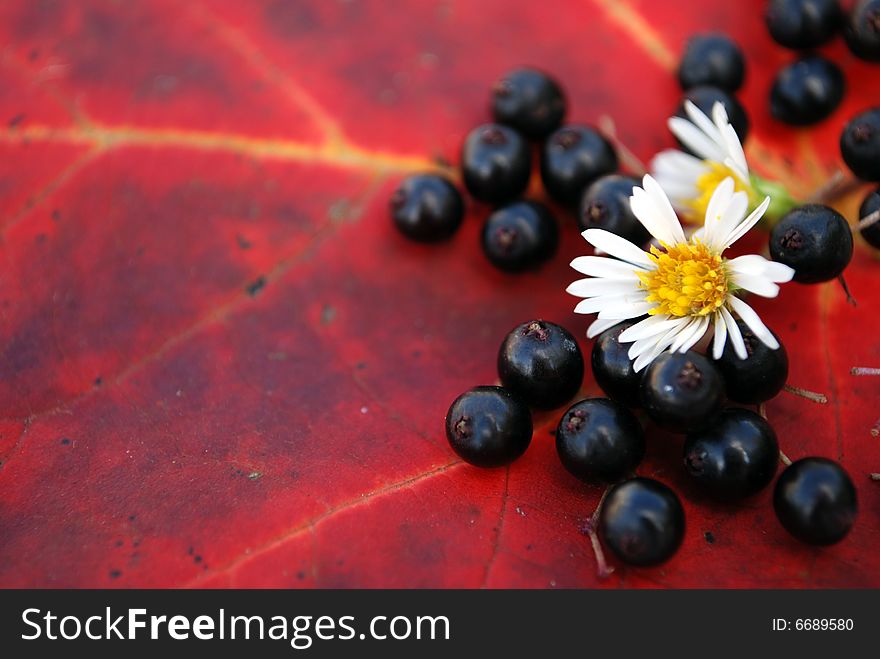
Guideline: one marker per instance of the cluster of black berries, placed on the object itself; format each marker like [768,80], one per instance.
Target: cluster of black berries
[576,164]
[730,452]
[815,240]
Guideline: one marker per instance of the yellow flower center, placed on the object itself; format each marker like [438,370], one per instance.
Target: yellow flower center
[690,280]
[709,180]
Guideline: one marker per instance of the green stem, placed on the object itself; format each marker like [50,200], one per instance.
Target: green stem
[780,200]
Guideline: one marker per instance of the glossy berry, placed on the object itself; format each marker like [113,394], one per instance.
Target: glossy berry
[759,377]
[605,205]
[815,501]
[571,159]
[807,91]
[682,391]
[860,145]
[496,163]
[642,522]
[734,457]
[613,369]
[530,101]
[711,59]
[520,236]
[862,31]
[427,208]
[813,239]
[541,362]
[870,205]
[803,23]
[489,426]
[599,441]
[705,97]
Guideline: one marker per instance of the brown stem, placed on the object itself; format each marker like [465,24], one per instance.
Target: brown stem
[864,370]
[784,459]
[762,410]
[603,570]
[805,393]
[836,187]
[868,220]
[849,297]
[629,160]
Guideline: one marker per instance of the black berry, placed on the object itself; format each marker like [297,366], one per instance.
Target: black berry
[571,159]
[520,236]
[530,101]
[541,362]
[642,522]
[682,391]
[759,377]
[871,205]
[705,97]
[734,457]
[427,208]
[599,441]
[803,23]
[613,369]
[815,501]
[815,240]
[489,426]
[862,31]
[605,205]
[860,145]
[807,91]
[711,59]
[496,163]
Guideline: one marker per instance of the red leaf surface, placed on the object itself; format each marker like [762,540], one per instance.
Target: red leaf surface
[220,364]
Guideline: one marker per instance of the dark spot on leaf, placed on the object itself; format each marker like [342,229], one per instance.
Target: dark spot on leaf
[197,558]
[99,381]
[131,518]
[300,575]
[243,242]
[360,366]
[56,215]
[710,538]
[328,314]
[115,574]
[65,441]
[41,238]
[17,119]
[256,286]
[119,543]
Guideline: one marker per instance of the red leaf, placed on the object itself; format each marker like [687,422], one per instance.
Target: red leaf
[220,364]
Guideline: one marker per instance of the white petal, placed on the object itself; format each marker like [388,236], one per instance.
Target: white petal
[677,164]
[719,115]
[649,356]
[747,223]
[720,336]
[600,266]
[600,325]
[625,310]
[756,284]
[735,153]
[713,224]
[734,335]
[602,286]
[648,327]
[751,319]
[593,304]
[649,343]
[618,247]
[757,266]
[695,333]
[661,222]
[703,122]
[696,140]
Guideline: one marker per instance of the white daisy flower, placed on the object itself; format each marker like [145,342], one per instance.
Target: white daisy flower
[686,286]
[689,181]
